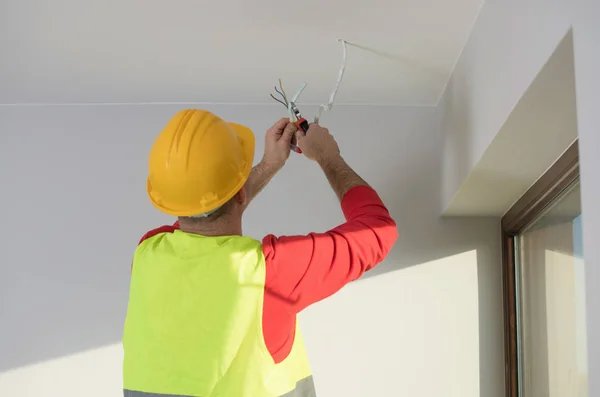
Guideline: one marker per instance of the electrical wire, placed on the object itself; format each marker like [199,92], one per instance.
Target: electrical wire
[323,108]
[282,90]
[293,117]
[297,94]
[326,108]
[279,100]
[400,58]
[282,95]
[329,105]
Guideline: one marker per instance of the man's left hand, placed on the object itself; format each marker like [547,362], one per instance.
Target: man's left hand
[277,143]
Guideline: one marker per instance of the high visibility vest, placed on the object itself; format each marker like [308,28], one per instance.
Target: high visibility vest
[194,322]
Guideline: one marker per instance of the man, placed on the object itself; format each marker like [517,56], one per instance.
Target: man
[212,313]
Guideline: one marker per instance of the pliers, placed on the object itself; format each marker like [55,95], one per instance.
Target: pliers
[296,116]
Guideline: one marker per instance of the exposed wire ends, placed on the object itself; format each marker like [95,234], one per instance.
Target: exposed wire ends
[325,108]
[283,91]
[282,95]
[279,100]
[293,117]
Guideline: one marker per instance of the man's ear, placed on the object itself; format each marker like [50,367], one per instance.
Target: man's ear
[241,196]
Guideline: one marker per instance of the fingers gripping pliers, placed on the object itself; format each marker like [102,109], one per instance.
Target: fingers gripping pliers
[295,115]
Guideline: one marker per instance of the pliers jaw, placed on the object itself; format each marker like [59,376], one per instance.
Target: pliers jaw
[300,121]
[296,116]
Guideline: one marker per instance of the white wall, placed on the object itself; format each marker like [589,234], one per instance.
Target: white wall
[428,322]
[510,42]
[541,125]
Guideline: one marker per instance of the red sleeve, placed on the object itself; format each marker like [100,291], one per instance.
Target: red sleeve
[307,269]
[302,270]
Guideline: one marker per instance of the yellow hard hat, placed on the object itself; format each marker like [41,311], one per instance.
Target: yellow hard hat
[198,163]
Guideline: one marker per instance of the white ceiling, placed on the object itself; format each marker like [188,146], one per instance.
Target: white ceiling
[121,51]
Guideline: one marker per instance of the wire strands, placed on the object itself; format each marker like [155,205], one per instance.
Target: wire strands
[283,91]
[282,95]
[323,108]
[279,100]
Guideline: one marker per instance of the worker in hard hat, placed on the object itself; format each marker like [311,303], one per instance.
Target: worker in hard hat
[212,313]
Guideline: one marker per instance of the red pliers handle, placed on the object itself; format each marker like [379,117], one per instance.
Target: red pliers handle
[302,124]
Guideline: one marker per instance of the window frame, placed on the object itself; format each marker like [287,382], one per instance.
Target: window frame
[560,176]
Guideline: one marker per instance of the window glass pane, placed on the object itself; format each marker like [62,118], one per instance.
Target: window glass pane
[552,302]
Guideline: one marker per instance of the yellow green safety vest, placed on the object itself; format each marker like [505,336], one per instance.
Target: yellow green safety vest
[194,322]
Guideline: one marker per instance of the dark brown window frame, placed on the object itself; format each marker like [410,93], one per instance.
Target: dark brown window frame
[560,176]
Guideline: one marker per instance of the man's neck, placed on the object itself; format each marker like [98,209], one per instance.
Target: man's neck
[214,229]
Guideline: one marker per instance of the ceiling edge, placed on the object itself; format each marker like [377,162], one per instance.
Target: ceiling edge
[203,104]
[460,54]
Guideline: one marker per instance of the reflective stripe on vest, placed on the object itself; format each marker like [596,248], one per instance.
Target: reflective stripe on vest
[194,322]
[304,388]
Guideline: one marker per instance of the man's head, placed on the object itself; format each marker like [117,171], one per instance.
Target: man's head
[198,166]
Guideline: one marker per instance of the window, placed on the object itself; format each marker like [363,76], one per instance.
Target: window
[544,287]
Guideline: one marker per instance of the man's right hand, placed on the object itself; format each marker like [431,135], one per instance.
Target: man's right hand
[317,144]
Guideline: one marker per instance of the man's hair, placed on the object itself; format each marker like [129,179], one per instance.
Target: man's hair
[217,215]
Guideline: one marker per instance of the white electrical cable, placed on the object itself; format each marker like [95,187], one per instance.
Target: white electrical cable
[326,108]
[329,105]
[293,118]
[400,58]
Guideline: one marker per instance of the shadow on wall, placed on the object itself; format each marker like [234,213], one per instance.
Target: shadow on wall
[81,208]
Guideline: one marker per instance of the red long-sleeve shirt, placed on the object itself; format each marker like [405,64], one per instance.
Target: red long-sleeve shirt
[304,269]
